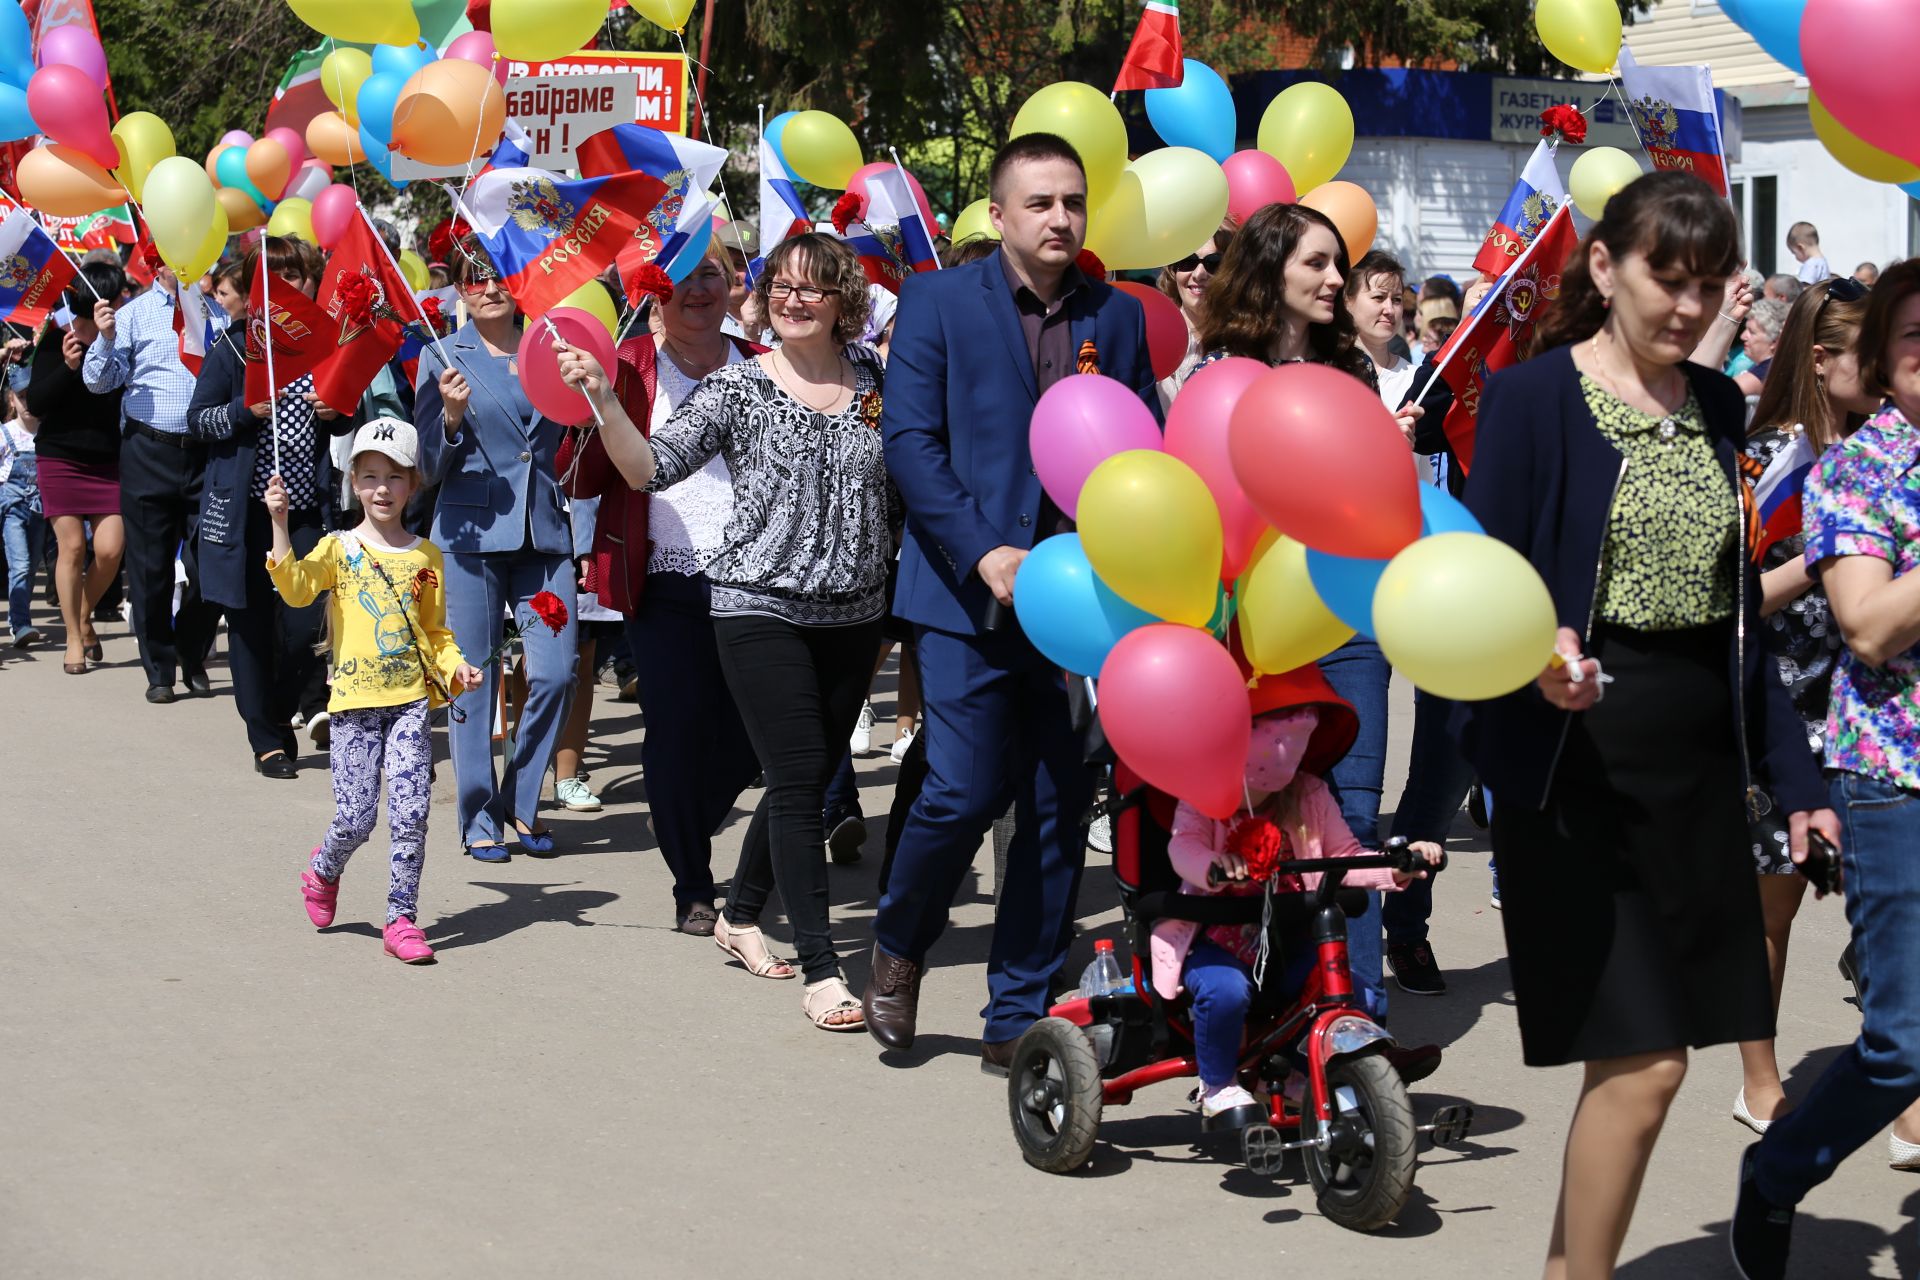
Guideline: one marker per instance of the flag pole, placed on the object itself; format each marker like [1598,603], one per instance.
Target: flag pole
[273,397]
[41,227]
[559,341]
[432,337]
[929,230]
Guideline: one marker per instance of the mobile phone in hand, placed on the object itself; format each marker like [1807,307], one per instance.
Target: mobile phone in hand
[1821,866]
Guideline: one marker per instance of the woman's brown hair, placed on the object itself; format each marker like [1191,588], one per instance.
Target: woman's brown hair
[829,264]
[1896,284]
[1672,219]
[1245,301]
[1222,240]
[1793,392]
[284,254]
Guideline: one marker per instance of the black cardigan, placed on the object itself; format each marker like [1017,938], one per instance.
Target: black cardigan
[76,425]
[1543,482]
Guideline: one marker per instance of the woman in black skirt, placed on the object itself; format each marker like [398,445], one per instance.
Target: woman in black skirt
[1620,825]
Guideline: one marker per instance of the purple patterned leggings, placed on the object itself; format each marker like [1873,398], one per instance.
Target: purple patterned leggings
[364,741]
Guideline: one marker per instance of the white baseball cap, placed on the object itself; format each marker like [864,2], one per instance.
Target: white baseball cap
[394,437]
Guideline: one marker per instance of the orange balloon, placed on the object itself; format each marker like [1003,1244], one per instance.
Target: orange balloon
[1349,207]
[269,166]
[242,213]
[449,112]
[332,139]
[58,180]
[213,162]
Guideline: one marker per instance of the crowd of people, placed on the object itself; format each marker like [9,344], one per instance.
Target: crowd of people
[787,475]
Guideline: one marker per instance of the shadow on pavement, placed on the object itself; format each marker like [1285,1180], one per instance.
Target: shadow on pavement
[1846,1247]
[520,905]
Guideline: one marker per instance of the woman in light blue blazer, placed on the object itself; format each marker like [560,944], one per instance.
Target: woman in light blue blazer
[502,526]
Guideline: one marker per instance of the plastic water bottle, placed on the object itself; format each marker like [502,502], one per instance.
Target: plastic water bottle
[1104,976]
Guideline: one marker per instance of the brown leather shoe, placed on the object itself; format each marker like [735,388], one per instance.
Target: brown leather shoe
[997,1059]
[892,999]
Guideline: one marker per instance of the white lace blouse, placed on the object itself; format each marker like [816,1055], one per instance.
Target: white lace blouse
[687,523]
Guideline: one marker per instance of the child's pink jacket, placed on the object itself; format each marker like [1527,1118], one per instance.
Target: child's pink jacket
[1197,839]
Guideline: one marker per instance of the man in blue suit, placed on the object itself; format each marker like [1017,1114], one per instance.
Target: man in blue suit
[973,350]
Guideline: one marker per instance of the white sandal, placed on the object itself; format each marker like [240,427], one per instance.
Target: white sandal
[749,946]
[829,998]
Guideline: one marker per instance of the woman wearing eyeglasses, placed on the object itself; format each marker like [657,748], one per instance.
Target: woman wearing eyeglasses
[502,526]
[798,582]
[1186,283]
[1815,391]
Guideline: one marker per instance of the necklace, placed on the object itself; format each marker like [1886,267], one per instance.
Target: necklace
[1667,428]
[787,386]
[695,369]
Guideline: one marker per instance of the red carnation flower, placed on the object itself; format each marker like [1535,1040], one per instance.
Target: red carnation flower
[1090,265]
[355,295]
[1565,121]
[150,254]
[550,609]
[1260,843]
[430,312]
[649,279]
[846,209]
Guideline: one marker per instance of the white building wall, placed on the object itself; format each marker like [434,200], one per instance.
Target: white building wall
[1858,220]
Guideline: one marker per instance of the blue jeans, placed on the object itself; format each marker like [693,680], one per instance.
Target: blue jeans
[1437,780]
[24,530]
[1878,1076]
[1358,672]
[1221,991]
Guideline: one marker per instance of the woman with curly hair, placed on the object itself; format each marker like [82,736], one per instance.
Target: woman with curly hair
[798,583]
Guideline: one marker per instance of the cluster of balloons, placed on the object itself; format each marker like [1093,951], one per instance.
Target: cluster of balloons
[1280,503]
[440,110]
[62,98]
[1844,47]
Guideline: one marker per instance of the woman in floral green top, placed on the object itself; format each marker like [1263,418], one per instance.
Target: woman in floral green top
[1863,542]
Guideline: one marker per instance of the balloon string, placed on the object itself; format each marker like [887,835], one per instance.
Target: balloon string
[706,121]
[560,344]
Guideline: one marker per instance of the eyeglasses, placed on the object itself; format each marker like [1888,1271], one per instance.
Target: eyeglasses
[1840,289]
[482,284]
[1211,262]
[780,291]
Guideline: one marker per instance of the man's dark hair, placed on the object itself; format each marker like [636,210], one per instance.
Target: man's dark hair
[107,281]
[1440,287]
[1030,146]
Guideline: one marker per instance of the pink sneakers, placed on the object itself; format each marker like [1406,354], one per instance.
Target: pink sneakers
[406,943]
[321,897]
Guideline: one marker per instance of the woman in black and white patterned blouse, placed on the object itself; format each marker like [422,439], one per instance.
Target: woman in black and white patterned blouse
[798,581]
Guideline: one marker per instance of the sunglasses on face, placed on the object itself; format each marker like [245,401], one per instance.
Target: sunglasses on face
[780,291]
[1211,262]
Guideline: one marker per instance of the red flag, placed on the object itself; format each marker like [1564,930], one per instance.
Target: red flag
[298,329]
[367,307]
[1499,331]
[1153,59]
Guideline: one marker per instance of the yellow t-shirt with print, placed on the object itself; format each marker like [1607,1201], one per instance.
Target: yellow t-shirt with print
[388,605]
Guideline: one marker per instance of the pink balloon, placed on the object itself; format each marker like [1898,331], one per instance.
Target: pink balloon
[477,46]
[295,144]
[1849,47]
[333,213]
[1082,420]
[1197,435]
[237,138]
[540,364]
[1254,181]
[857,185]
[1174,705]
[72,45]
[67,106]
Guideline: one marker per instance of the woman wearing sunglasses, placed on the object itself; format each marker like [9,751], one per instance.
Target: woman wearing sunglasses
[1186,283]
[502,526]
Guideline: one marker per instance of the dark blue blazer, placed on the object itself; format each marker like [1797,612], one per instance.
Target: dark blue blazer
[1543,481]
[960,393]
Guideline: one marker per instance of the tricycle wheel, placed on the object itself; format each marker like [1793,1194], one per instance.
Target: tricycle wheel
[1053,1095]
[1365,1170]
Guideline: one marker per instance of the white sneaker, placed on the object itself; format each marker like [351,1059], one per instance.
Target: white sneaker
[1902,1154]
[576,796]
[319,730]
[1100,835]
[901,741]
[861,741]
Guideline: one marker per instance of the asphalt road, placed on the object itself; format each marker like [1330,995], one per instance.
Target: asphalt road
[196,1083]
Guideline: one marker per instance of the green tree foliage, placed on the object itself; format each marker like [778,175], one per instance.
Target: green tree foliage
[203,66]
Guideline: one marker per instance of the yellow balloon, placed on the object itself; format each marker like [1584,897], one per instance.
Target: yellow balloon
[1085,117]
[211,246]
[361,21]
[1596,175]
[592,297]
[1309,129]
[179,206]
[535,30]
[1283,623]
[671,14]
[820,149]
[1584,34]
[143,140]
[414,268]
[1151,530]
[341,75]
[974,220]
[1464,616]
[293,217]
[1165,203]
[1863,158]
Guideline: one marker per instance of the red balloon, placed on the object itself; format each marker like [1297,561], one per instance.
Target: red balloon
[1325,462]
[1850,47]
[540,364]
[1174,705]
[1197,435]
[1166,327]
[1254,181]
[857,185]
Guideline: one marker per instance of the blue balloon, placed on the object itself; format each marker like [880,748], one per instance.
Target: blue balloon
[1441,512]
[402,59]
[1196,113]
[1070,615]
[379,94]
[691,252]
[1346,584]
[378,155]
[16,122]
[1912,189]
[16,46]
[1775,25]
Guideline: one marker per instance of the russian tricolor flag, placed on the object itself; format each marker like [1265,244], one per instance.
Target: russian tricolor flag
[1776,494]
[891,238]
[1533,201]
[194,326]
[781,213]
[549,236]
[687,167]
[1674,113]
[33,271]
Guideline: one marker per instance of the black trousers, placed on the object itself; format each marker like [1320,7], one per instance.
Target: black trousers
[270,643]
[159,503]
[799,690]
